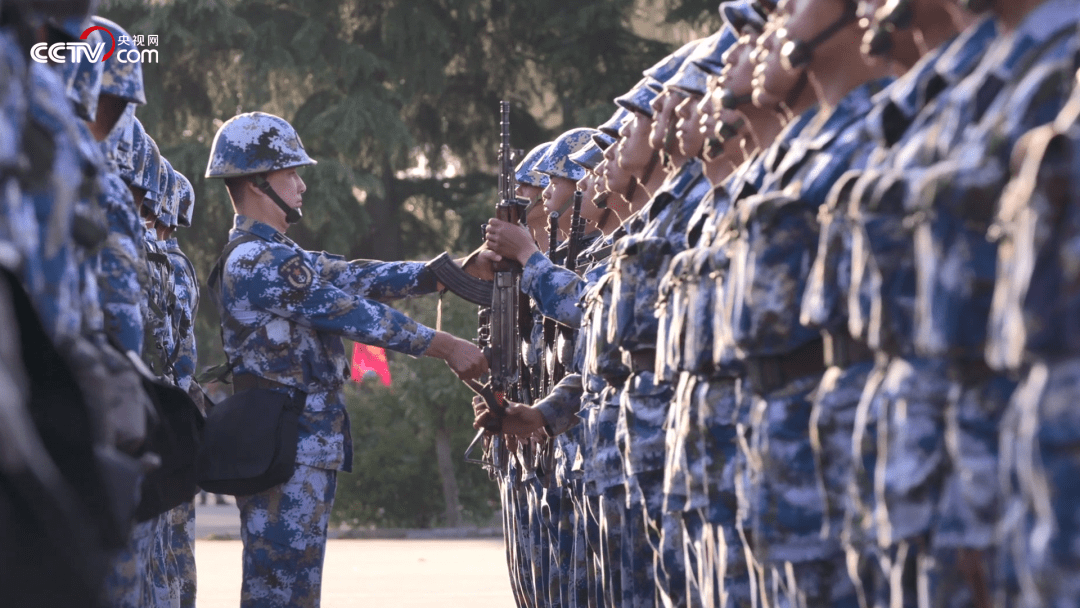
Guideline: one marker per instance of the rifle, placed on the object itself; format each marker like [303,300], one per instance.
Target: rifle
[502,322]
[552,371]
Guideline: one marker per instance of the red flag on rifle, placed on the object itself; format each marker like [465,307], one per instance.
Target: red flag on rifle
[369,358]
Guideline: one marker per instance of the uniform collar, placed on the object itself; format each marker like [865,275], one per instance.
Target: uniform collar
[854,106]
[962,56]
[242,223]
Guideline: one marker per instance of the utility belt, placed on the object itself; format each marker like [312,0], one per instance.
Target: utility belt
[767,374]
[243,382]
[842,350]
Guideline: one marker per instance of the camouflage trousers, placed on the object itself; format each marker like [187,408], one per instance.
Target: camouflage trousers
[1040,449]
[284,534]
[129,582]
[164,573]
[612,539]
[183,549]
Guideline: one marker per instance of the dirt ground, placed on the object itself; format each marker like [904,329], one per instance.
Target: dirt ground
[431,573]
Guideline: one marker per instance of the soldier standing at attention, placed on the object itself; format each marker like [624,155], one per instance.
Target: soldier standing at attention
[284,311]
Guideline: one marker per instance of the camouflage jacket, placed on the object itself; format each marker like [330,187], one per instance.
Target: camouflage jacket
[778,230]
[284,311]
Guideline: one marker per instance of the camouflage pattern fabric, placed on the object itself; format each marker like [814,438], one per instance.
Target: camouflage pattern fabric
[270,284]
[284,534]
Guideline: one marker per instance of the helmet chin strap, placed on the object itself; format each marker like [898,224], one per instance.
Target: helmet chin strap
[798,53]
[292,214]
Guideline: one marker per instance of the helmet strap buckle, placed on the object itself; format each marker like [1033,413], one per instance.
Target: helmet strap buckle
[292,214]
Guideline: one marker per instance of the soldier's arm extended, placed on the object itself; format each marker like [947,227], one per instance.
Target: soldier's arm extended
[281,281]
[374,280]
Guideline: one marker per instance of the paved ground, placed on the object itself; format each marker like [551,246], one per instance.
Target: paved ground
[444,573]
[364,573]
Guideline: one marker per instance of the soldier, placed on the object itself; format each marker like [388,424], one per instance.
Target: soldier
[784,360]
[855,226]
[700,417]
[184,358]
[1032,333]
[282,310]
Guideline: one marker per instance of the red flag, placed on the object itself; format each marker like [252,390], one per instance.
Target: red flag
[369,359]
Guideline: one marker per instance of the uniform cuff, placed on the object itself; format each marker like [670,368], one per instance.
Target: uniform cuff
[535,267]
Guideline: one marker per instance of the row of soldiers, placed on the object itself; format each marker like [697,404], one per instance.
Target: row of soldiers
[97,304]
[821,343]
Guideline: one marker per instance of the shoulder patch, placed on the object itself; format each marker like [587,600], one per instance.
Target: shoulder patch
[296,272]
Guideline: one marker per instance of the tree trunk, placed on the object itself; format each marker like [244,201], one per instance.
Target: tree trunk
[446,473]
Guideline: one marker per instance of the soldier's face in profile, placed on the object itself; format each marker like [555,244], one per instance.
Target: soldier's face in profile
[634,151]
[772,82]
[663,112]
[557,194]
[738,75]
[587,185]
[688,131]
[614,177]
[288,185]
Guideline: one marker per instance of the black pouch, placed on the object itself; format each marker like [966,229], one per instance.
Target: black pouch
[249,443]
[175,438]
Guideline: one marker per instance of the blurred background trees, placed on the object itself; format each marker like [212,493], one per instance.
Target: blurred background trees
[397,100]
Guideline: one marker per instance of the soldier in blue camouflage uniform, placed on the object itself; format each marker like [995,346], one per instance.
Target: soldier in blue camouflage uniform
[283,311]
[778,236]
[700,426]
[556,291]
[826,303]
[183,360]
[964,166]
[1033,334]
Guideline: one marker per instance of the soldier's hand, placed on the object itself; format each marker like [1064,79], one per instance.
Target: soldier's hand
[511,241]
[478,265]
[520,421]
[463,357]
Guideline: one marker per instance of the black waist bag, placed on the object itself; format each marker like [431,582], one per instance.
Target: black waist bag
[249,443]
[175,438]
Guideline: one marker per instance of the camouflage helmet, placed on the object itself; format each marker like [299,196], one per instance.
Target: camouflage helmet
[170,208]
[740,14]
[603,140]
[118,146]
[83,81]
[146,174]
[615,123]
[691,78]
[638,99]
[186,207]
[156,201]
[526,172]
[663,70]
[556,161]
[129,171]
[254,143]
[122,79]
[591,155]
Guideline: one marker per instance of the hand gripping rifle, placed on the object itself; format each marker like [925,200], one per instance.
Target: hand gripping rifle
[502,322]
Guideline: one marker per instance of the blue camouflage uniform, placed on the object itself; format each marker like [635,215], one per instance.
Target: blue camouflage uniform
[880,313]
[284,311]
[778,235]
[1033,334]
[1020,85]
